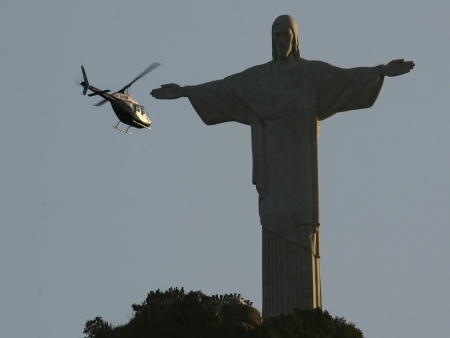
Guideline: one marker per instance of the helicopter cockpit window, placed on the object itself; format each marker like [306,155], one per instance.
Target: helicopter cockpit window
[143,110]
[137,109]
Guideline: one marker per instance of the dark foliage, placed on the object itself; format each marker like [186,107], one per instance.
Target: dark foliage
[307,324]
[97,328]
[194,316]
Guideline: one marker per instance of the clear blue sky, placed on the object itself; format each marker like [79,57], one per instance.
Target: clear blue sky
[93,219]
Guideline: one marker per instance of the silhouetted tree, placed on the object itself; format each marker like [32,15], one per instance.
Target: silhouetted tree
[97,328]
[194,316]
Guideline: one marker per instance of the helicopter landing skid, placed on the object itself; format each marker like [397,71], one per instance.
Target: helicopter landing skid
[124,131]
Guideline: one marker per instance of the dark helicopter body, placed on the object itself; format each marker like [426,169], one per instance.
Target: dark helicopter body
[128,110]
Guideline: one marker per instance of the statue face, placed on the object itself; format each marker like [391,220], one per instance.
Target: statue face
[283,36]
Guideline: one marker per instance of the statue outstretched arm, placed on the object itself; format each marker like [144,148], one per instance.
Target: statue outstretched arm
[397,67]
[169,91]
[215,102]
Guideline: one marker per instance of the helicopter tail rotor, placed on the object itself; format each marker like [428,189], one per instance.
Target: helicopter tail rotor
[85,83]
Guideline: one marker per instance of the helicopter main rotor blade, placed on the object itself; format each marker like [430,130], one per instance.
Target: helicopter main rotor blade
[101,103]
[145,72]
[103,91]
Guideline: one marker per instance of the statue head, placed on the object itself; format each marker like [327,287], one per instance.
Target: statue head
[285,38]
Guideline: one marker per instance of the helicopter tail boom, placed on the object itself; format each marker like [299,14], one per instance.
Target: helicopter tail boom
[95,91]
[86,82]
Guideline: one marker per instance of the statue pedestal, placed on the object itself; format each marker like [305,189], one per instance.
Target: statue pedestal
[239,315]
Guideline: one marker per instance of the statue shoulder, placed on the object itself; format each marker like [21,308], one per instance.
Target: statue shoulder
[255,69]
[318,65]
[322,69]
[251,74]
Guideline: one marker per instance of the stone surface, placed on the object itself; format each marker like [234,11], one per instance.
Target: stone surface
[283,101]
[239,314]
[291,276]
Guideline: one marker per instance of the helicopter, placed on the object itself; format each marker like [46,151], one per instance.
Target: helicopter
[128,110]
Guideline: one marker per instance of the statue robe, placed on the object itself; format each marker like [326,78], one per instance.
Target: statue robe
[285,120]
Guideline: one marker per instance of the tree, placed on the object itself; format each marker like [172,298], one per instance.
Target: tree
[97,328]
[194,315]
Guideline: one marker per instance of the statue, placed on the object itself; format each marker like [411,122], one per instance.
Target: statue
[284,101]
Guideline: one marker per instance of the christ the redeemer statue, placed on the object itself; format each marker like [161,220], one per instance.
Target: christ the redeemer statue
[284,101]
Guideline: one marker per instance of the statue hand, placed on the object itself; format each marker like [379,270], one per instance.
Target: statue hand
[397,67]
[169,91]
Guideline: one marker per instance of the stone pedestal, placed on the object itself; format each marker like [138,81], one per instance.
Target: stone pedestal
[239,315]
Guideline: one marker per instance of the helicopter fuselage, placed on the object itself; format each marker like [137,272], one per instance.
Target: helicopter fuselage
[130,111]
